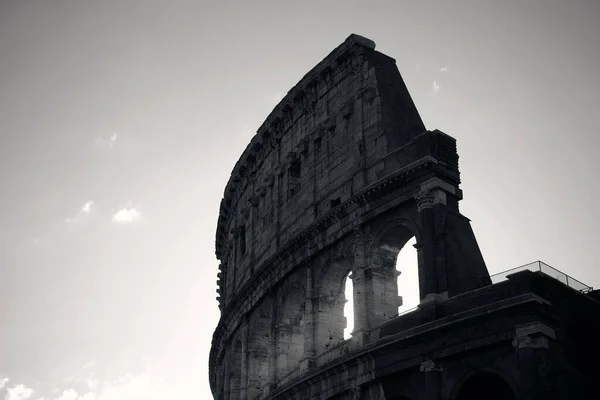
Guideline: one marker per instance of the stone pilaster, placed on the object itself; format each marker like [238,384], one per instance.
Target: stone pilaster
[244,372]
[272,379]
[309,324]
[382,278]
[360,287]
[433,379]
[428,279]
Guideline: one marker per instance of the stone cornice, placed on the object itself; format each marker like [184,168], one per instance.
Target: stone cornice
[270,129]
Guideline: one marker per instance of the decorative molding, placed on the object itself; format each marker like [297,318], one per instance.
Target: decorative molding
[522,341]
[355,65]
[430,365]
[425,199]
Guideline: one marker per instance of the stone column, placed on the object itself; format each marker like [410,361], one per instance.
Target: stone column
[361,293]
[428,279]
[309,324]
[244,372]
[219,381]
[383,286]
[272,379]
[433,379]
[226,377]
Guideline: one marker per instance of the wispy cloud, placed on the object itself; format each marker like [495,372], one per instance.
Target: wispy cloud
[444,69]
[19,392]
[85,209]
[3,382]
[92,384]
[126,214]
[90,364]
[435,87]
[111,140]
[106,141]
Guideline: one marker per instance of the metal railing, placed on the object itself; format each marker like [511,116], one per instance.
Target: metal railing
[547,270]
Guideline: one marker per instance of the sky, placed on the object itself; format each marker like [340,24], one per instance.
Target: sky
[120,122]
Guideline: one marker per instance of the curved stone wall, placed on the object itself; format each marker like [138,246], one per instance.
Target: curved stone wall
[339,177]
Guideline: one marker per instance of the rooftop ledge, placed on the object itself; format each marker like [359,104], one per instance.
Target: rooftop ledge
[539,266]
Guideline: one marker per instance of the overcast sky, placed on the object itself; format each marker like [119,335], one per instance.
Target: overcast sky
[120,123]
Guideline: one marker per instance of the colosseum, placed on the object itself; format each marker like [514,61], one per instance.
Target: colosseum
[339,177]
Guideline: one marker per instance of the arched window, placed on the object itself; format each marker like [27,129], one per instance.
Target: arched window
[407,265]
[485,385]
[394,257]
[333,313]
[348,307]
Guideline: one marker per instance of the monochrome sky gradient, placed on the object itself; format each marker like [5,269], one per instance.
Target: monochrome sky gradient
[120,122]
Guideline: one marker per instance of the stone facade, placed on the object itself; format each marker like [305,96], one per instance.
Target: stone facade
[337,180]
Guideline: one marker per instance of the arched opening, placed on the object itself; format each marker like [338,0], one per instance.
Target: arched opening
[348,307]
[332,307]
[396,246]
[235,376]
[407,264]
[290,330]
[258,351]
[485,385]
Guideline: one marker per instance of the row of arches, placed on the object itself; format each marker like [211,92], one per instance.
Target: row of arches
[312,313]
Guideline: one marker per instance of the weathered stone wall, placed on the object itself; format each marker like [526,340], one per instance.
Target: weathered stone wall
[339,177]
[314,151]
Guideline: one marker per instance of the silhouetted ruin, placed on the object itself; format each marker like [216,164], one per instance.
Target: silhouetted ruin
[340,176]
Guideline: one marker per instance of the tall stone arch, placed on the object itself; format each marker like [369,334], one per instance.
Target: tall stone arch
[259,349]
[291,326]
[330,301]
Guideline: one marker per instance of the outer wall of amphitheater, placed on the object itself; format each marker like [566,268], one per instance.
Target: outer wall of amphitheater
[338,178]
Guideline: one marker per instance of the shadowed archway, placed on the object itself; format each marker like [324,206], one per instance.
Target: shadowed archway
[484,385]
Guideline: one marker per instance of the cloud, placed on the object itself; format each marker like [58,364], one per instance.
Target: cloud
[85,209]
[103,142]
[436,87]
[19,392]
[92,384]
[126,214]
[111,140]
[3,381]
[90,364]
[69,394]
[444,69]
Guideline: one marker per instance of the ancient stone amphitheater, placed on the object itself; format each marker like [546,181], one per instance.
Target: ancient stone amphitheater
[338,178]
